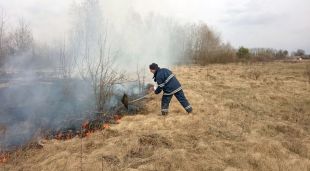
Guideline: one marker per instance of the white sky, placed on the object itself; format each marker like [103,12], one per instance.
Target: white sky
[251,23]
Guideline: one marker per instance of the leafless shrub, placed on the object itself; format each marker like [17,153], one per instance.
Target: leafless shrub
[22,38]
[92,52]
[254,74]
[102,77]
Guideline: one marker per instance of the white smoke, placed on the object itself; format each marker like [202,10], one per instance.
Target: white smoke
[127,39]
[133,39]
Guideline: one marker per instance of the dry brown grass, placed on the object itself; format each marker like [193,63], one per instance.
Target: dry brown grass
[307,72]
[239,123]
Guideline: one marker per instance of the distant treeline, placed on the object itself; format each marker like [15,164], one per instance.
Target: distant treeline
[205,47]
[18,47]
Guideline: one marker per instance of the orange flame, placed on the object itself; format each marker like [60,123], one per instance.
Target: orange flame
[117,117]
[87,134]
[105,126]
[3,158]
[85,124]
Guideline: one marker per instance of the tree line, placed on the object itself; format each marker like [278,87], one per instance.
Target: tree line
[18,48]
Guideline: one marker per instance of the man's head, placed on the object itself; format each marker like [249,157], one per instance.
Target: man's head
[153,68]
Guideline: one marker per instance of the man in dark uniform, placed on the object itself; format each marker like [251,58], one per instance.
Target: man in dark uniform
[167,82]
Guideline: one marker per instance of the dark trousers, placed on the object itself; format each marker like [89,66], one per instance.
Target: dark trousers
[165,101]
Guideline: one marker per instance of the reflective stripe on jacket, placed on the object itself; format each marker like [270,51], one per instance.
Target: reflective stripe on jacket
[166,81]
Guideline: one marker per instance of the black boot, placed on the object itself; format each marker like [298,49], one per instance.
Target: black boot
[164,113]
[190,110]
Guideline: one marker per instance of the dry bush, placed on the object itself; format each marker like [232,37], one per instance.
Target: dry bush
[253,74]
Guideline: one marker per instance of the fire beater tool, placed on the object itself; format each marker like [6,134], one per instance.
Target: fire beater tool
[126,101]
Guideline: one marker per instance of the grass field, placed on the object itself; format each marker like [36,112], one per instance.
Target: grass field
[246,117]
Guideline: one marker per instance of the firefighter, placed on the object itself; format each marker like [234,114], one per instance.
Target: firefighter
[168,82]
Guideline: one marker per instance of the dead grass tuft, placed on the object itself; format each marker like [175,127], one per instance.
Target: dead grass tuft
[139,152]
[111,160]
[297,147]
[155,140]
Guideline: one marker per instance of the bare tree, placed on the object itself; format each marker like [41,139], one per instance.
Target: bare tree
[141,79]
[22,39]
[102,76]
[204,46]
[66,62]
[2,23]
[3,48]
[91,51]
[300,52]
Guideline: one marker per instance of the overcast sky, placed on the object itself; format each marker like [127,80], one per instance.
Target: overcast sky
[251,23]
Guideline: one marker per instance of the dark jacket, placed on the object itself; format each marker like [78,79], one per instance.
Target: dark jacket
[166,81]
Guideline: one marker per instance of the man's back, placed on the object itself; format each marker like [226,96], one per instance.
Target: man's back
[167,81]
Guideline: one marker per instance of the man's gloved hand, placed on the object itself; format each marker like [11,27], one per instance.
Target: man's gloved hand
[152,89]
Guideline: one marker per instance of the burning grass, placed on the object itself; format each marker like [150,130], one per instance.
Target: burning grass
[87,128]
[239,123]
[4,157]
